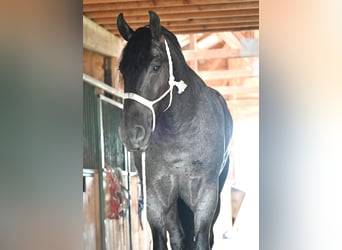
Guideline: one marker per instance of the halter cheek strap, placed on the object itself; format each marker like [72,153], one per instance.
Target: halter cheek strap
[181,86]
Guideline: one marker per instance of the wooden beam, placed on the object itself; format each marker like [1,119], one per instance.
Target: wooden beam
[244,103]
[193,63]
[225,74]
[217,53]
[215,28]
[133,10]
[173,16]
[186,22]
[109,1]
[165,3]
[235,90]
[204,28]
[97,39]
[230,39]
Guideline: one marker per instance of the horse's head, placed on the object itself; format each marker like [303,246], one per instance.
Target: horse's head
[148,81]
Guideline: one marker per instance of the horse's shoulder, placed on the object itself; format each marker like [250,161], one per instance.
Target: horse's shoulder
[212,94]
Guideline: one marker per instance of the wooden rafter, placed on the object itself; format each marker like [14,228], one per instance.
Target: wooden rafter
[179,16]
[97,39]
[219,48]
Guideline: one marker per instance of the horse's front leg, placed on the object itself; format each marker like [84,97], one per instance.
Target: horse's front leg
[156,219]
[161,197]
[222,180]
[174,227]
[205,206]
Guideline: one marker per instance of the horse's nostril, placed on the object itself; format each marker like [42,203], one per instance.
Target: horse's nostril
[139,133]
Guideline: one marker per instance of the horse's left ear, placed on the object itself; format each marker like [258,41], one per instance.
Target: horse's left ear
[154,25]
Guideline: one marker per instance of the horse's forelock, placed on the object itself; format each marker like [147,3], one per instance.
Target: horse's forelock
[136,55]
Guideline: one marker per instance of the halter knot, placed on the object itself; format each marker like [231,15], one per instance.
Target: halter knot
[181,85]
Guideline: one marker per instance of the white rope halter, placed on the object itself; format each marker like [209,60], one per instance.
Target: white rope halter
[181,85]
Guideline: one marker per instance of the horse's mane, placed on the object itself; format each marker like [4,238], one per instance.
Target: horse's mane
[182,71]
[176,49]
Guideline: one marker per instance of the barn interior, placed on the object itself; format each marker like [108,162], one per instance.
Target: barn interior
[220,41]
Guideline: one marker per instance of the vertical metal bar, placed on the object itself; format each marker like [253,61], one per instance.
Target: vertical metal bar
[143,166]
[101,166]
[128,169]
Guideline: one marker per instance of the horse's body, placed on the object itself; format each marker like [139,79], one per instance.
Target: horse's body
[186,146]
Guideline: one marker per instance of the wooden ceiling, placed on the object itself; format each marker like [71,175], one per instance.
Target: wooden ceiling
[179,16]
[219,39]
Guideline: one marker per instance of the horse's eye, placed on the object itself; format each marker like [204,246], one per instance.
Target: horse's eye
[156,68]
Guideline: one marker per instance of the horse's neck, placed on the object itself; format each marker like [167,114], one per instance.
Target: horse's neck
[182,109]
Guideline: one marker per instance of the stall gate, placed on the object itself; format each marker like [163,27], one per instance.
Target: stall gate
[110,182]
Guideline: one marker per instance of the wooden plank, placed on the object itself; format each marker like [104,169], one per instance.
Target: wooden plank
[109,1]
[135,10]
[234,90]
[216,28]
[188,22]
[116,230]
[190,27]
[237,103]
[137,231]
[215,53]
[156,3]
[93,64]
[97,39]
[230,39]
[225,74]
[204,28]
[193,63]
[91,216]
[174,16]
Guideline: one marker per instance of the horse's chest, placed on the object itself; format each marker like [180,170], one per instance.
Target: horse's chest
[185,155]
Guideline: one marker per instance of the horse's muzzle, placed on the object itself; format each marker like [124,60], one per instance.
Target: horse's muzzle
[134,138]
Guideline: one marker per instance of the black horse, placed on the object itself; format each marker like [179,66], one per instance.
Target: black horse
[185,129]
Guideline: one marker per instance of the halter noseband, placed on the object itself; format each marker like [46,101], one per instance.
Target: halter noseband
[181,85]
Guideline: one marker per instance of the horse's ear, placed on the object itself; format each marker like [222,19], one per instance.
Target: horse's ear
[123,27]
[154,25]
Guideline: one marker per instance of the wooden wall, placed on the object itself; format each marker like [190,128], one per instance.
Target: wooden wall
[91,213]
[117,231]
[93,64]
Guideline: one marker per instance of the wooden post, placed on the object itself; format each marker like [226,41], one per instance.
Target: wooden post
[193,63]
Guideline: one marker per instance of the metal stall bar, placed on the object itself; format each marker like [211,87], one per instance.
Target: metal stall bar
[101,85]
[128,169]
[113,102]
[102,198]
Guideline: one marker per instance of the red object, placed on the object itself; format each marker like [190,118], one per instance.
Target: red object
[115,194]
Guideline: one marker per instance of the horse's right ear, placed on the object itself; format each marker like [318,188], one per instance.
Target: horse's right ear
[154,25]
[123,27]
